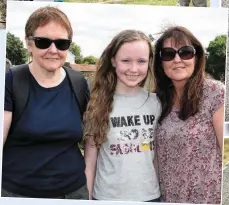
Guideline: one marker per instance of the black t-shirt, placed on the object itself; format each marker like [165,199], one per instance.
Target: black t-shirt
[41,157]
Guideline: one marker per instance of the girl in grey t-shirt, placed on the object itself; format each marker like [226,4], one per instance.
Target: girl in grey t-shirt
[120,123]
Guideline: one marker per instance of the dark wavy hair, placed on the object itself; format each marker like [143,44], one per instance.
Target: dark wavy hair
[97,115]
[193,89]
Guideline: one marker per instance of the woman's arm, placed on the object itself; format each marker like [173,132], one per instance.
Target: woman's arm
[155,164]
[6,125]
[218,124]
[90,154]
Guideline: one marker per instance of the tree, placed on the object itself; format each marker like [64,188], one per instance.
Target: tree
[76,50]
[15,50]
[152,39]
[90,60]
[216,60]
[67,64]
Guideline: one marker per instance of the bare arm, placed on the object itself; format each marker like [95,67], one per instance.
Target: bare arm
[6,125]
[155,162]
[91,153]
[218,122]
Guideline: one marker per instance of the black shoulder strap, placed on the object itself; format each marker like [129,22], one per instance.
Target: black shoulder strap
[79,87]
[20,90]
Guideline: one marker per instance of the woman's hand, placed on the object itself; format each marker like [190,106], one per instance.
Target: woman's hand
[90,155]
[6,125]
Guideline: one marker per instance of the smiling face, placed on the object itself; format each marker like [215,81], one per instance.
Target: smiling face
[50,59]
[131,63]
[178,70]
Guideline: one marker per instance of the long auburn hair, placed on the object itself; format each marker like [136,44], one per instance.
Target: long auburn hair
[193,89]
[97,115]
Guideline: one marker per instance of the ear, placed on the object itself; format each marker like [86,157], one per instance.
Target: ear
[113,62]
[28,44]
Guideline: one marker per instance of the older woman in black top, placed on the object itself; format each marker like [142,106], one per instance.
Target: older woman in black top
[41,157]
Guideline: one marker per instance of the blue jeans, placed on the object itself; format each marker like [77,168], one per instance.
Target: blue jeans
[81,193]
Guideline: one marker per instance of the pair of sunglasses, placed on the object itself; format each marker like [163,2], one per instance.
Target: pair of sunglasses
[44,43]
[185,53]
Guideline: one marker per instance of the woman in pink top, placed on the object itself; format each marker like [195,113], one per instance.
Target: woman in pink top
[190,132]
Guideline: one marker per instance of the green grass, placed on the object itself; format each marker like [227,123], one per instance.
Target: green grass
[226,152]
[142,2]
[150,2]
[85,1]
[138,2]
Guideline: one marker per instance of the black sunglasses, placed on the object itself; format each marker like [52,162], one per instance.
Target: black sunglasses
[185,53]
[44,43]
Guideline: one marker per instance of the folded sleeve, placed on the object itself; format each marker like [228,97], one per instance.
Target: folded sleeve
[216,96]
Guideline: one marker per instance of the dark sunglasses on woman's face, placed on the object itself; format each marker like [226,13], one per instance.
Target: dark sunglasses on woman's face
[185,53]
[44,43]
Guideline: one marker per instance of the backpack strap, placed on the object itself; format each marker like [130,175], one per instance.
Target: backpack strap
[79,87]
[20,90]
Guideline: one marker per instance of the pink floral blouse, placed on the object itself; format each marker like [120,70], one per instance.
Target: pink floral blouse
[189,157]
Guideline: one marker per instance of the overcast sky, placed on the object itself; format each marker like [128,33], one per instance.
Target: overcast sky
[94,25]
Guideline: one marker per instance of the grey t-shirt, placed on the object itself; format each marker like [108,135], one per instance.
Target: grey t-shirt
[125,168]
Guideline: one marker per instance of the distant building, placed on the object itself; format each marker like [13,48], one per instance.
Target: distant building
[87,70]
[70,57]
[83,67]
